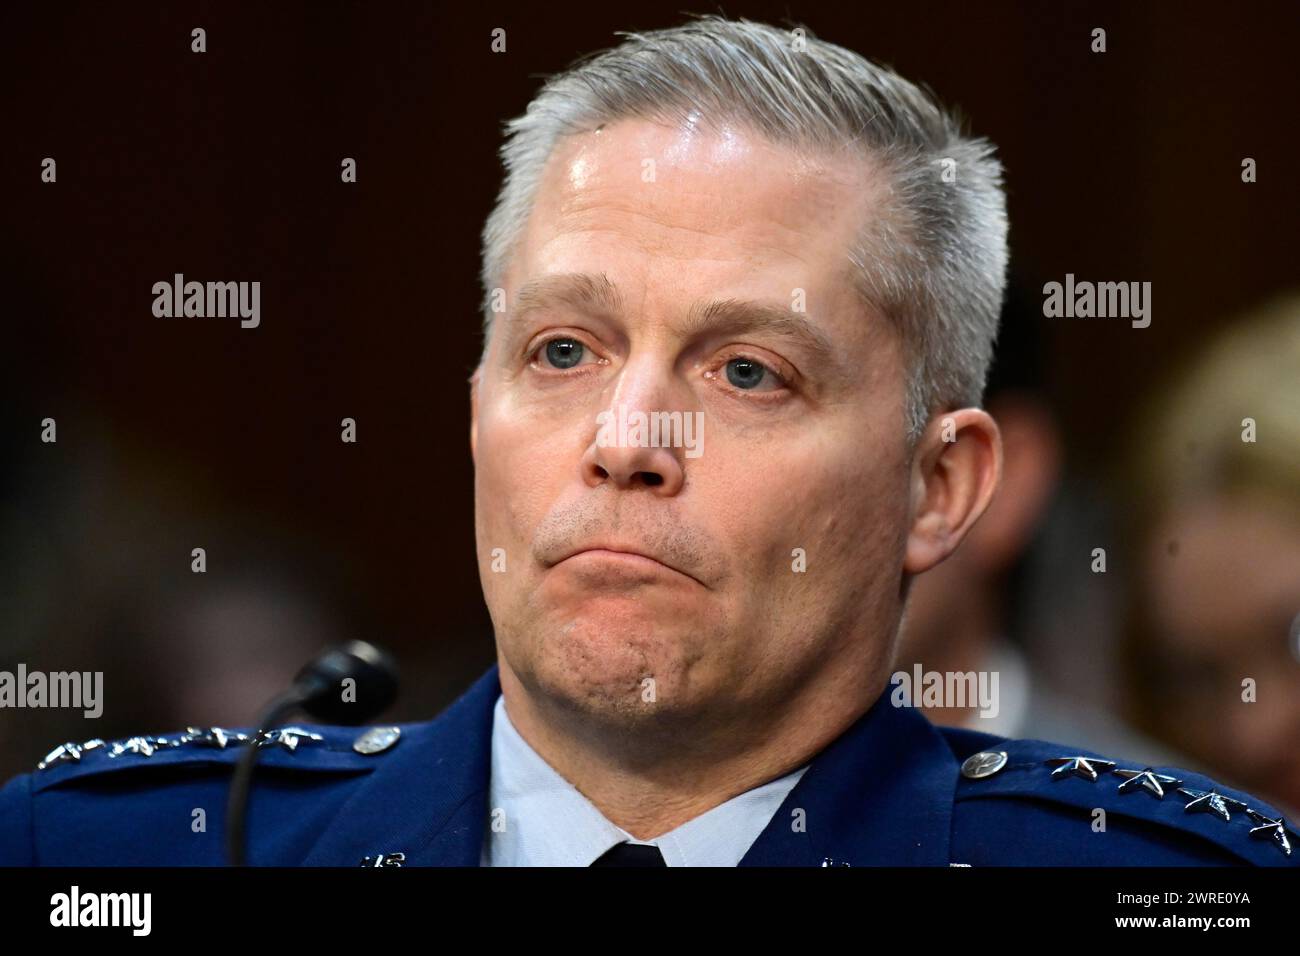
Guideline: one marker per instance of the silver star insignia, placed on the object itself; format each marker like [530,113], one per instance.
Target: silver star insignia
[212,737]
[1085,767]
[143,746]
[1270,829]
[287,737]
[1150,781]
[68,752]
[1210,801]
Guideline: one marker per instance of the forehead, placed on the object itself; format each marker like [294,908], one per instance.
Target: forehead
[731,205]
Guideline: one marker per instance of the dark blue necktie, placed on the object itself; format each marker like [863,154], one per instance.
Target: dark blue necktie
[631,854]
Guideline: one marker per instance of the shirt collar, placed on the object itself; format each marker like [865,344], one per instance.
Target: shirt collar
[537,818]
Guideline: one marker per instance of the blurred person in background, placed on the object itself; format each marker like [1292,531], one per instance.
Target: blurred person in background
[1213,520]
[969,613]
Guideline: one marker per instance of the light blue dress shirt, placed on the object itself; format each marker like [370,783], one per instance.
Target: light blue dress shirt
[547,822]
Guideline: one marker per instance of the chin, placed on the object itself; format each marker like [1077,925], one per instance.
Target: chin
[623,667]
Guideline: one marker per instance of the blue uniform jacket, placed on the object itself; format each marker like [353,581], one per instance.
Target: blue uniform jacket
[892,790]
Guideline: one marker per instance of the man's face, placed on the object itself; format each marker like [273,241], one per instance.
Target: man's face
[800,392]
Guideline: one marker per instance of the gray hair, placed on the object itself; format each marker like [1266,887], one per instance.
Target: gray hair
[933,260]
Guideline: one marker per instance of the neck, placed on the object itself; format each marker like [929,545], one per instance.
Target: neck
[960,642]
[652,777]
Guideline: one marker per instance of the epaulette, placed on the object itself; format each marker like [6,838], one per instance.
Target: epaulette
[303,747]
[1170,798]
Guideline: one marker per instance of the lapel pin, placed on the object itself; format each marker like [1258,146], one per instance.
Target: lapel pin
[376,740]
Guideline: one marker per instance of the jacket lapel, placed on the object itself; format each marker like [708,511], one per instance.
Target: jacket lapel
[880,794]
[427,799]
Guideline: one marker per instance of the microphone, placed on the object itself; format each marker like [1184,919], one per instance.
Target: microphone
[318,691]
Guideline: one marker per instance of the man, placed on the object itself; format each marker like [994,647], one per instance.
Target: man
[797,255]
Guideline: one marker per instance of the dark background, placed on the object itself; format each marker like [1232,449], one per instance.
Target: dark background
[182,433]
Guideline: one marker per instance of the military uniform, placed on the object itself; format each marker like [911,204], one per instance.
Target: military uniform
[893,789]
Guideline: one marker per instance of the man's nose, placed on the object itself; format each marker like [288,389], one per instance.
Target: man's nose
[629,465]
[635,444]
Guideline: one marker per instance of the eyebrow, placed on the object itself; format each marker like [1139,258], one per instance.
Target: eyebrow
[597,294]
[580,290]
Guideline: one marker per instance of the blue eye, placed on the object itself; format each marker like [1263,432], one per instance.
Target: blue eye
[746,374]
[564,353]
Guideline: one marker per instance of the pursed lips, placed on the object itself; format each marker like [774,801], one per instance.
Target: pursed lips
[616,552]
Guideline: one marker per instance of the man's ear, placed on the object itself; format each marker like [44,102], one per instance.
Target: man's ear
[473,413]
[955,470]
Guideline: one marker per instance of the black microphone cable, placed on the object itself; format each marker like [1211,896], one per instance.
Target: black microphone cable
[317,690]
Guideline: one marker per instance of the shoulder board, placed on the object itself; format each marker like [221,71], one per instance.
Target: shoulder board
[1177,799]
[301,747]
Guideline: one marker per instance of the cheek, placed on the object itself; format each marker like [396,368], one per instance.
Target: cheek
[510,466]
[847,512]
[858,519]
